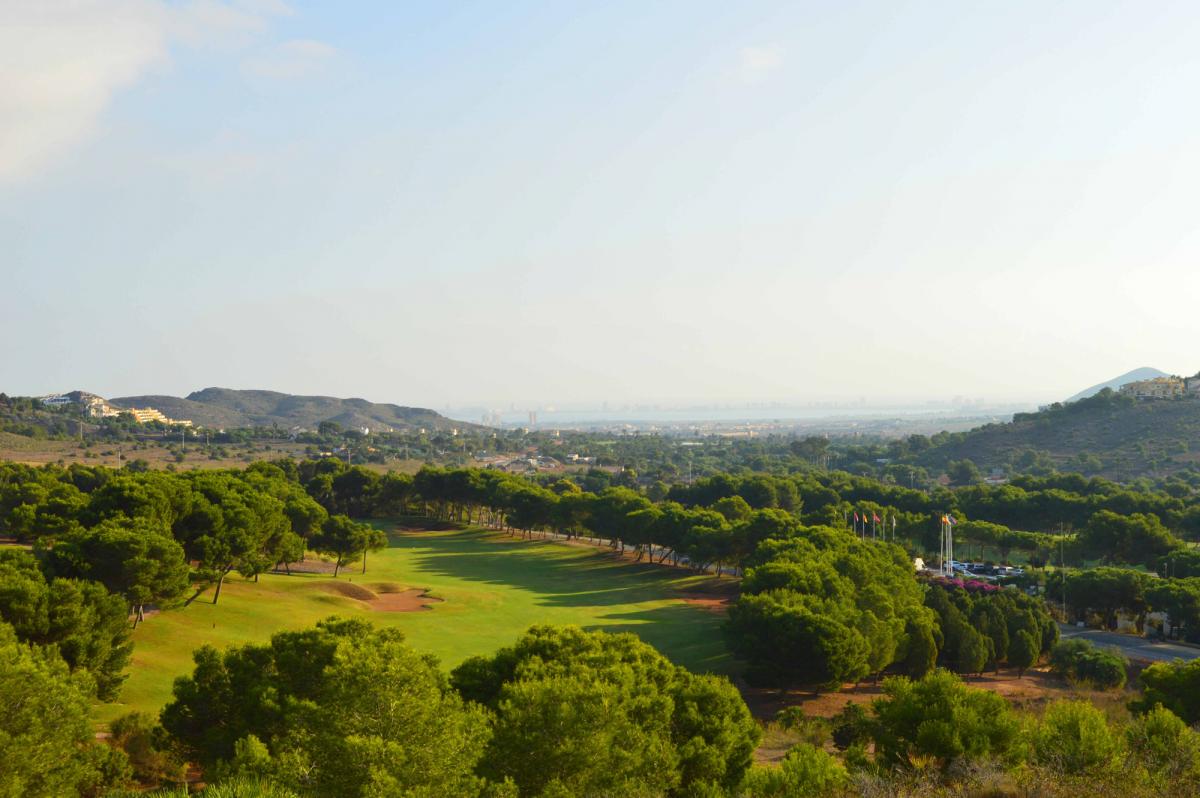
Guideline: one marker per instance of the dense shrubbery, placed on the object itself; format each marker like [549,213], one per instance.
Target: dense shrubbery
[825,608]
[339,710]
[591,713]
[83,623]
[346,710]
[1174,685]
[983,628]
[47,747]
[1082,663]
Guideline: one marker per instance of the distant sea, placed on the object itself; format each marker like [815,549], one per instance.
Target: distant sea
[549,418]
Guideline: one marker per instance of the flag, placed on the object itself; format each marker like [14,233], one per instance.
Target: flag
[856,516]
[950,520]
[875,517]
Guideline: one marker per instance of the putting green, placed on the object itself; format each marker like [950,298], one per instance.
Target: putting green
[492,587]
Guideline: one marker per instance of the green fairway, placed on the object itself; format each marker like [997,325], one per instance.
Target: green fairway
[492,588]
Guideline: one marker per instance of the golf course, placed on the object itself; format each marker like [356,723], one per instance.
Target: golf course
[454,593]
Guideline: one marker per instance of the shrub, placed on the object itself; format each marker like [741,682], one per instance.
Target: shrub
[1080,662]
[1075,737]
[1165,744]
[942,718]
[806,771]
[1174,685]
[812,730]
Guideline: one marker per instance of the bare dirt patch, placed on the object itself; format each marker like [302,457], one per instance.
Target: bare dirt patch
[309,566]
[707,603]
[1034,690]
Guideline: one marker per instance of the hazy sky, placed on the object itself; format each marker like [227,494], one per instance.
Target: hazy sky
[674,201]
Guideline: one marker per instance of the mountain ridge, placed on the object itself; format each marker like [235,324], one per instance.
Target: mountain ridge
[230,408]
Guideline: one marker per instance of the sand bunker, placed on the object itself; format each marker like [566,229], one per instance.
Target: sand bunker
[412,600]
[381,596]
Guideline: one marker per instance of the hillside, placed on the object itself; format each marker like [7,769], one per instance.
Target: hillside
[227,408]
[1108,434]
[1144,373]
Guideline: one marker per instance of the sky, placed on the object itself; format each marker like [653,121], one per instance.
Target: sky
[435,203]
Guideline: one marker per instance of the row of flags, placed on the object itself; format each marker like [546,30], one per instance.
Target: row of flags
[874,520]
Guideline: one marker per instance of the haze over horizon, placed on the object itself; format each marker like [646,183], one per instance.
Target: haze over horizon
[692,203]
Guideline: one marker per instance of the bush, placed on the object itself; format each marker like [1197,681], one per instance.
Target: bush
[942,718]
[1165,745]
[1174,685]
[806,771]
[143,741]
[1082,663]
[851,727]
[1074,737]
[593,713]
[812,730]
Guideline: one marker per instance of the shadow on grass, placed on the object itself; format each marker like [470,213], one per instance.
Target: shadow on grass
[562,577]
[687,635]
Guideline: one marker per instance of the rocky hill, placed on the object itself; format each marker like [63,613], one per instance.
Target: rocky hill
[227,408]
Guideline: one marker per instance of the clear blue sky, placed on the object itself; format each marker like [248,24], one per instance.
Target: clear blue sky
[680,201]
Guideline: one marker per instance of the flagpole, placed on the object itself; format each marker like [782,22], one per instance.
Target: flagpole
[942,543]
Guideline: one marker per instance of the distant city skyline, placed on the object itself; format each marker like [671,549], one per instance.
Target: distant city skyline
[674,203]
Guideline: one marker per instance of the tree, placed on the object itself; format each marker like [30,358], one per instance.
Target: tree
[87,625]
[230,525]
[787,642]
[1165,745]
[974,651]
[940,717]
[343,710]
[1023,652]
[963,472]
[1074,737]
[1174,685]
[1109,591]
[137,559]
[1079,661]
[589,713]
[345,541]
[47,746]
[821,607]
[1137,539]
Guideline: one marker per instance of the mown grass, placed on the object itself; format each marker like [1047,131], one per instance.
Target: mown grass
[492,588]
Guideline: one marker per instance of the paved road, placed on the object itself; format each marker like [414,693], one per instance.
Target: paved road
[1133,647]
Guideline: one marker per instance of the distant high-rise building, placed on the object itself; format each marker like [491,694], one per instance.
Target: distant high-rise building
[532,419]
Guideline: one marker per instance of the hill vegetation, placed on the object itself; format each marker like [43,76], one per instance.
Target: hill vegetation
[1106,435]
[226,408]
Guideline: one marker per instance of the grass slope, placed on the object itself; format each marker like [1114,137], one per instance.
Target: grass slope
[492,588]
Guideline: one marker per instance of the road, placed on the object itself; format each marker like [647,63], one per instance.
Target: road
[1133,647]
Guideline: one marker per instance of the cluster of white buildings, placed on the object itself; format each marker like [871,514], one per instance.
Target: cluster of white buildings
[96,407]
[1162,388]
